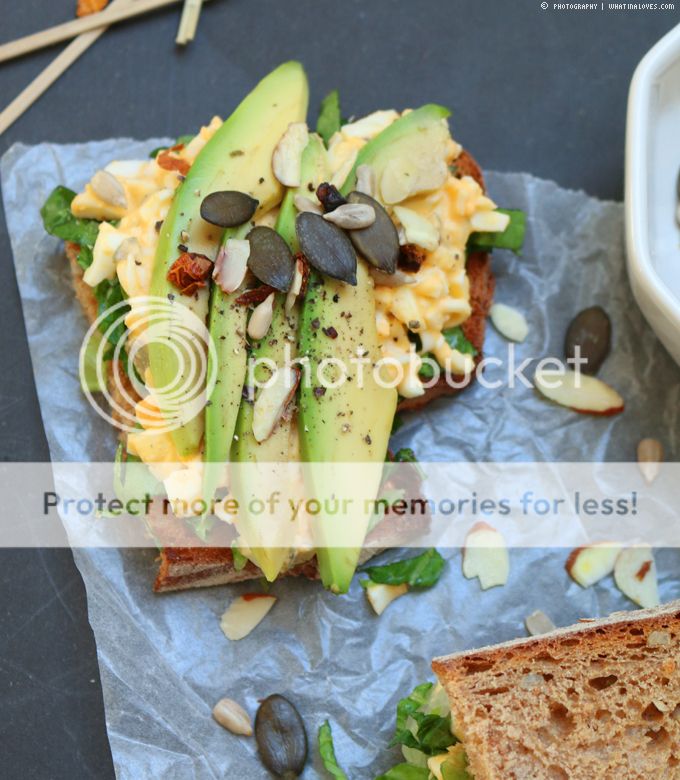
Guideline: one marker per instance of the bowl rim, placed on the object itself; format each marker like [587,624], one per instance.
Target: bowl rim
[642,272]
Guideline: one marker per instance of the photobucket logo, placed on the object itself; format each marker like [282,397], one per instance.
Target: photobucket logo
[112,370]
[392,371]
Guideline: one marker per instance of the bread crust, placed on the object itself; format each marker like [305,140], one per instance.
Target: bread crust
[592,701]
[181,568]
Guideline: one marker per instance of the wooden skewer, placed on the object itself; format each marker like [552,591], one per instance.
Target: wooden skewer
[188,22]
[63,32]
[25,99]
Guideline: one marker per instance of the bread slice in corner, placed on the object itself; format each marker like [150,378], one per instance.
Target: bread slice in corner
[596,701]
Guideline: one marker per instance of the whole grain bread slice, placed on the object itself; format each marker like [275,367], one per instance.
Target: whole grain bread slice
[193,567]
[595,701]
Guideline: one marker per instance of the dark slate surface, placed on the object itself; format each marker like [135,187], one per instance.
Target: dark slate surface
[531,89]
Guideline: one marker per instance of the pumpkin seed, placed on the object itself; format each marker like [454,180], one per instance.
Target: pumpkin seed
[326,247]
[228,208]
[270,258]
[281,737]
[379,242]
[591,331]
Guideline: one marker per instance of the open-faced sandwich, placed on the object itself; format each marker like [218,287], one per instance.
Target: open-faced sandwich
[593,701]
[368,239]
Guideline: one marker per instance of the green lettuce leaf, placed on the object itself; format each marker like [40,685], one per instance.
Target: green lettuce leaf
[329,116]
[511,238]
[60,222]
[456,339]
[327,752]
[423,571]
[405,772]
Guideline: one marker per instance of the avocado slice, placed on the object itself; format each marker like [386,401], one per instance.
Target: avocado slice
[283,445]
[227,328]
[237,157]
[406,148]
[352,424]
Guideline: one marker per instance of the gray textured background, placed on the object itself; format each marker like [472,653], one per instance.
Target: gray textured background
[533,90]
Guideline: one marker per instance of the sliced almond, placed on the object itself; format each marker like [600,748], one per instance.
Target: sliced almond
[489,221]
[287,157]
[272,400]
[244,614]
[351,216]
[369,126]
[381,596]
[233,717]
[635,575]
[650,457]
[107,187]
[582,393]
[485,556]
[366,180]
[261,319]
[509,322]
[538,623]
[303,204]
[588,565]
[417,229]
[231,264]
[296,286]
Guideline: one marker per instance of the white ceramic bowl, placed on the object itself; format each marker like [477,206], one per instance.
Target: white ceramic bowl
[652,170]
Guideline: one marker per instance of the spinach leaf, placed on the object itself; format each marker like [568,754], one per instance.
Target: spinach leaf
[182,139]
[60,222]
[412,703]
[329,116]
[511,238]
[405,455]
[456,339]
[327,752]
[423,571]
[405,772]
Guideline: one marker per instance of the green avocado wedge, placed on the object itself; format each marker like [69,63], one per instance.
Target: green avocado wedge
[345,430]
[407,139]
[273,460]
[237,157]
[227,327]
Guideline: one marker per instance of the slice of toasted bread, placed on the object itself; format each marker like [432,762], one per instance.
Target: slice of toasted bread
[193,567]
[594,701]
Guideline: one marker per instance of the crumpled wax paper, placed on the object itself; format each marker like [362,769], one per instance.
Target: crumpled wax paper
[164,661]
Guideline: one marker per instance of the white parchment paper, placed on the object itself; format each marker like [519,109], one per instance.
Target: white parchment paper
[163,659]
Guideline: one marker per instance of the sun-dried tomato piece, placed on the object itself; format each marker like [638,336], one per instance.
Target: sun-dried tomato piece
[169,162]
[411,257]
[256,295]
[189,272]
[330,196]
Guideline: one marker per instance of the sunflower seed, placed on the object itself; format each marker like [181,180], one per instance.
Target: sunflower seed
[261,319]
[228,208]
[351,216]
[107,187]
[127,247]
[232,717]
[231,264]
[306,204]
[650,457]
